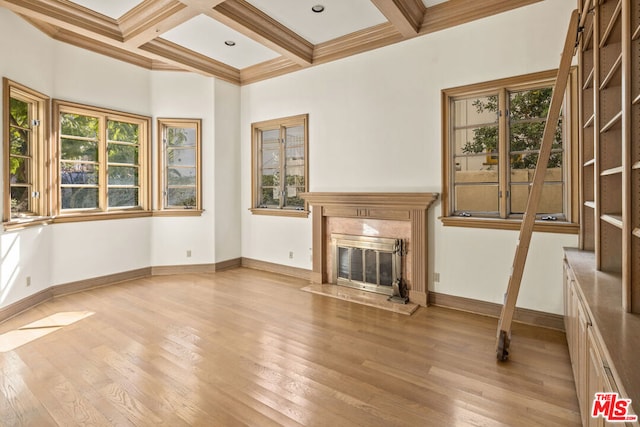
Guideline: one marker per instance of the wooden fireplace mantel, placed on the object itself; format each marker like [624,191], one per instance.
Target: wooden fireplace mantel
[410,207]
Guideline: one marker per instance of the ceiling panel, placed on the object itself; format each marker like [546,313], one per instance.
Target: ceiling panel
[207,37]
[429,3]
[112,8]
[339,18]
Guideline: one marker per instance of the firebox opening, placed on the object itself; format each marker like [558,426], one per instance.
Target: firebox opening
[369,263]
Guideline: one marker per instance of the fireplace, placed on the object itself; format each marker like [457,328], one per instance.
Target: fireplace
[395,216]
[370,263]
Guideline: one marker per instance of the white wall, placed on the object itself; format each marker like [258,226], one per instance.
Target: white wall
[26,52]
[62,253]
[97,248]
[375,125]
[88,78]
[226,172]
[186,95]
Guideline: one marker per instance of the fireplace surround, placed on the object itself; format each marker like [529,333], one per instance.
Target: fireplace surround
[389,215]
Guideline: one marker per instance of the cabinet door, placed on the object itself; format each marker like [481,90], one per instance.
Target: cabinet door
[582,358]
[595,378]
[569,314]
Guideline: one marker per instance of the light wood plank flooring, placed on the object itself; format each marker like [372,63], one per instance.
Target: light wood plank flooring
[244,347]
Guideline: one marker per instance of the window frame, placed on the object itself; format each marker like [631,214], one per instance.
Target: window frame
[103,211]
[39,156]
[161,207]
[570,224]
[256,156]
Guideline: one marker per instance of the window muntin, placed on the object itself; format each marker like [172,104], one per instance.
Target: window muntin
[21,149]
[270,168]
[24,152]
[491,148]
[294,166]
[528,110]
[476,160]
[103,159]
[79,161]
[123,167]
[180,142]
[280,164]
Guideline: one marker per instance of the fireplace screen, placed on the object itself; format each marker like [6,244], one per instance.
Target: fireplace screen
[369,263]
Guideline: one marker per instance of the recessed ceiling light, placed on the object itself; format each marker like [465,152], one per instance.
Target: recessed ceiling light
[318,8]
[230,43]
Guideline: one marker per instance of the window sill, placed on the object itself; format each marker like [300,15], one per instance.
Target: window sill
[100,216]
[20,223]
[178,212]
[560,227]
[280,212]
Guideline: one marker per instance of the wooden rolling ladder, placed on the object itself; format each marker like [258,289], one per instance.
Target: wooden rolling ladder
[528,220]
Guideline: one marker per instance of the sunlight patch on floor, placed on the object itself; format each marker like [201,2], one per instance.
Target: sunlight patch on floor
[18,337]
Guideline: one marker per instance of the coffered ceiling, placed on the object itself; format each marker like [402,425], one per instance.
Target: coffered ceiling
[267,37]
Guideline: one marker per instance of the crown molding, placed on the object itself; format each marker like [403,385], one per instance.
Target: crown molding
[457,12]
[135,37]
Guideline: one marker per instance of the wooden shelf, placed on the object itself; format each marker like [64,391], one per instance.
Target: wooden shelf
[589,122]
[612,23]
[612,171]
[586,5]
[609,239]
[610,156]
[612,72]
[586,16]
[614,120]
[587,39]
[588,81]
[613,219]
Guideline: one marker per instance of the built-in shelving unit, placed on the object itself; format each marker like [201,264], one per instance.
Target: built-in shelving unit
[609,54]
[602,280]
[631,274]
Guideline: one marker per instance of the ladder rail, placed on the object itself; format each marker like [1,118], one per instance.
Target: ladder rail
[528,220]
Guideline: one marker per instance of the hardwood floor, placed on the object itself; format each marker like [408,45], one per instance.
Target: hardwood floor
[244,347]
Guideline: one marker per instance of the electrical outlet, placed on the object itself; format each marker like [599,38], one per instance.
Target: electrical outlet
[436,277]
[188,253]
[290,254]
[28,280]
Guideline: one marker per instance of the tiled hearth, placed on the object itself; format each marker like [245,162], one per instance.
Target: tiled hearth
[393,215]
